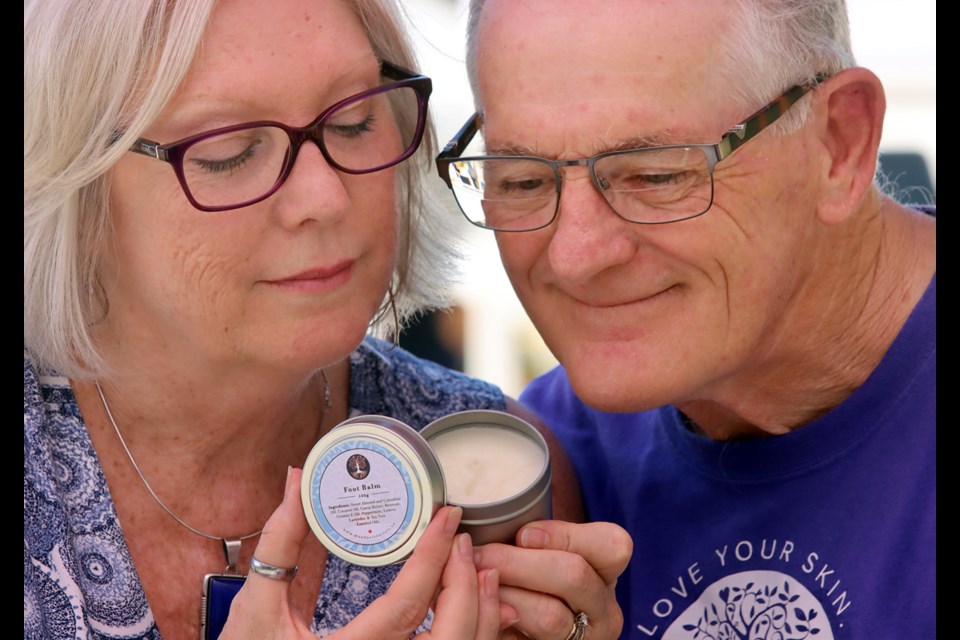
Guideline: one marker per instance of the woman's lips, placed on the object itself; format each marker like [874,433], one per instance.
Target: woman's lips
[318,279]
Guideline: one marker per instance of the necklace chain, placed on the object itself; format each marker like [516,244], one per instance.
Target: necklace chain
[136,467]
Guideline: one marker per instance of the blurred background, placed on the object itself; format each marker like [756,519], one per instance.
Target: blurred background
[487,334]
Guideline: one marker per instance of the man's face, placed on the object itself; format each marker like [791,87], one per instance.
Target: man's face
[643,315]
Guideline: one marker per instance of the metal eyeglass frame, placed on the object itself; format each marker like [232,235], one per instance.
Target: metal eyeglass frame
[173,152]
[736,137]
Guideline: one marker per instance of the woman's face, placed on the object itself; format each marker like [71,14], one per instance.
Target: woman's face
[290,282]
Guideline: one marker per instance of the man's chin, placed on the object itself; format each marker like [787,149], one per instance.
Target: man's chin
[613,394]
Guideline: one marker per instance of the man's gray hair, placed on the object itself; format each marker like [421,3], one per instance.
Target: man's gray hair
[775,44]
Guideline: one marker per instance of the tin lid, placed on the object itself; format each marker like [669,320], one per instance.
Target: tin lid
[369,489]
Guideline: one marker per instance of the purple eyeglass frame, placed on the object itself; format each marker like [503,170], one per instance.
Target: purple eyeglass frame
[173,152]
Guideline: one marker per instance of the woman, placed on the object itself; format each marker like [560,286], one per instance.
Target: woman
[192,326]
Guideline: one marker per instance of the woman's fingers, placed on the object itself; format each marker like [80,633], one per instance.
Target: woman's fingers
[262,607]
[490,614]
[458,604]
[468,606]
[283,534]
[403,608]
[440,570]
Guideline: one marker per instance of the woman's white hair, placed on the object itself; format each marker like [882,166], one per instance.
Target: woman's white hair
[769,45]
[95,75]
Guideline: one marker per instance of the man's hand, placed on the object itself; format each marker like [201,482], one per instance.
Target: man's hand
[557,570]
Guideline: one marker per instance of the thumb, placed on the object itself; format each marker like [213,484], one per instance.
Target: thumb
[262,607]
[283,534]
[605,546]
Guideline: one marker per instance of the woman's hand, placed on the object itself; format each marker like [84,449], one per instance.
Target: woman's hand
[440,572]
[557,570]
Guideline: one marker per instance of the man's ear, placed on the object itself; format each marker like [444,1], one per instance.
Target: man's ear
[849,110]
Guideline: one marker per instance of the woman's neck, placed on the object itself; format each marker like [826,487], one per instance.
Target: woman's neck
[195,448]
[237,412]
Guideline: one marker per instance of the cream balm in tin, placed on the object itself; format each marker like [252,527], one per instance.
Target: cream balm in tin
[369,489]
[496,466]
[371,485]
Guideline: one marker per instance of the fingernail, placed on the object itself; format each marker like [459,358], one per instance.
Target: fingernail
[453,521]
[466,546]
[491,584]
[287,488]
[533,538]
[508,616]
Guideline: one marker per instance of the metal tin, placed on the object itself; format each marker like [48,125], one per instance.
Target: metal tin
[498,520]
[371,485]
[369,489]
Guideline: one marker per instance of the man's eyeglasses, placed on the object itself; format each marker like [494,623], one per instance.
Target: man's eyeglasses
[243,164]
[652,185]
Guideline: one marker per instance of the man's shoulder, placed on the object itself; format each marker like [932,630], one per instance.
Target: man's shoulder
[550,386]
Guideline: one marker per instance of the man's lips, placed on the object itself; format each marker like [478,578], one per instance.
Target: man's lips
[609,302]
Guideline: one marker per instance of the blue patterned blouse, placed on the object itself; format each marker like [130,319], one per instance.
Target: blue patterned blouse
[78,578]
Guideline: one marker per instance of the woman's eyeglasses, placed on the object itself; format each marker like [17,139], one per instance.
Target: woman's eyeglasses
[243,164]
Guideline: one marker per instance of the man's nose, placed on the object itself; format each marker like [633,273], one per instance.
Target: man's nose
[589,236]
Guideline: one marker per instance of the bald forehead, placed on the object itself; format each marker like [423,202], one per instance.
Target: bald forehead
[641,41]
[678,17]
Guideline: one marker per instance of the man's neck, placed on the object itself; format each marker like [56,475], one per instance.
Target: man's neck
[861,292]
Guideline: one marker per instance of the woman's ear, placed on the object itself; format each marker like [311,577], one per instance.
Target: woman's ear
[849,109]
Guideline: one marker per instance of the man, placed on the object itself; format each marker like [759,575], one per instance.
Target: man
[684,202]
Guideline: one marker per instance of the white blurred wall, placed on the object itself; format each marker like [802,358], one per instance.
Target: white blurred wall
[894,38]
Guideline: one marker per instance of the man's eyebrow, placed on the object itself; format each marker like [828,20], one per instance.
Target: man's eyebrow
[511,150]
[633,142]
[639,142]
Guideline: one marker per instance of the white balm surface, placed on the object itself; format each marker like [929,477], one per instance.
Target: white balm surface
[486,464]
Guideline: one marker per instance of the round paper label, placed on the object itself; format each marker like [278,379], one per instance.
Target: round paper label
[363,497]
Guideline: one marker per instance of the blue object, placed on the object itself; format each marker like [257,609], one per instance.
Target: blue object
[218,594]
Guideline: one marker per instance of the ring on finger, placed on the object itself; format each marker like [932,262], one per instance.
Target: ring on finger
[271,571]
[580,622]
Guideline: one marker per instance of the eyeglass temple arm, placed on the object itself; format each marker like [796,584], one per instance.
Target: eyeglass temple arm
[766,116]
[394,72]
[149,148]
[456,145]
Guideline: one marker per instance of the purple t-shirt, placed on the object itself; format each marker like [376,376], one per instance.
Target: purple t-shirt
[826,532]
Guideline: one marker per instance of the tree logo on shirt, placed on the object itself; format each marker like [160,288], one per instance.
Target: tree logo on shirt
[753,605]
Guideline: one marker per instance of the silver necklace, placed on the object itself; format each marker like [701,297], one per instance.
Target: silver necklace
[231,546]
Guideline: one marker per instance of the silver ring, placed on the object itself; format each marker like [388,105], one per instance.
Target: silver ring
[272,572]
[580,622]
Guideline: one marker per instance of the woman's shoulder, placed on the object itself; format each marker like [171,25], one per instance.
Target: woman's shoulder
[32,399]
[388,380]
[54,436]
[45,391]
